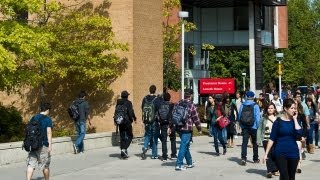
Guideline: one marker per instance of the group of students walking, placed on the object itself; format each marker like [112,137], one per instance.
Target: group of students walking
[158,115]
[285,128]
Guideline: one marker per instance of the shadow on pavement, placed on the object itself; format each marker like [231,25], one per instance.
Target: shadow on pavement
[235,159]
[38,178]
[315,160]
[256,171]
[115,155]
[208,152]
[169,163]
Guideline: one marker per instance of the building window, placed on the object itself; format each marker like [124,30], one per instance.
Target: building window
[267,18]
[241,18]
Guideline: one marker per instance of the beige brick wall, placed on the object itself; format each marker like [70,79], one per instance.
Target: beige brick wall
[138,23]
[147,50]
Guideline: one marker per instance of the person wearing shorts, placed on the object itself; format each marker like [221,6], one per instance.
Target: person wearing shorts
[41,158]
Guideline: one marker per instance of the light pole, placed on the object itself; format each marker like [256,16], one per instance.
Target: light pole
[244,81]
[279,57]
[182,14]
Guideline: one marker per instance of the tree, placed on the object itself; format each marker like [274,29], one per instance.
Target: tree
[303,53]
[229,63]
[72,43]
[171,44]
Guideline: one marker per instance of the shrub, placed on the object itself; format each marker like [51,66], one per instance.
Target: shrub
[201,113]
[11,124]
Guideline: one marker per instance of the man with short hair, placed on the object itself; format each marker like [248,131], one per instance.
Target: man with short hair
[249,117]
[277,101]
[165,118]
[81,122]
[42,157]
[125,128]
[185,132]
[149,106]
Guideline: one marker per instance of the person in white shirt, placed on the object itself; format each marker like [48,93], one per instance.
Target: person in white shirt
[277,101]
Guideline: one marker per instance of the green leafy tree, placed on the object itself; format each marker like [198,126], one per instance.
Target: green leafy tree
[230,63]
[172,44]
[301,60]
[58,43]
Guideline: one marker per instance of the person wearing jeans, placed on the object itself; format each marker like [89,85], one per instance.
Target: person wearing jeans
[81,122]
[81,132]
[215,110]
[185,131]
[151,126]
[151,132]
[249,131]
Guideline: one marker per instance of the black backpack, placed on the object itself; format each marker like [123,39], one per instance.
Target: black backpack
[74,111]
[247,115]
[33,136]
[120,114]
[180,113]
[163,113]
[148,111]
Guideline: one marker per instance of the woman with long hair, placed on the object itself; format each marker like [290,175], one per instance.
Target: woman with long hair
[215,111]
[232,114]
[313,114]
[285,131]
[263,135]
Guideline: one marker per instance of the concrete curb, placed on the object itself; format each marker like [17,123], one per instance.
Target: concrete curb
[12,152]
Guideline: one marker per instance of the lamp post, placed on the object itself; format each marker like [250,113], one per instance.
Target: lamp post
[279,58]
[244,81]
[182,14]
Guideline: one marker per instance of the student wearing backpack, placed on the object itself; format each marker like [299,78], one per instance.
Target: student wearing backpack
[165,117]
[125,111]
[150,105]
[184,128]
[42,157]
[84,115]
[249,117]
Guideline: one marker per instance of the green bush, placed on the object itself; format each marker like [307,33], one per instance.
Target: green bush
[11,125]
[201,113]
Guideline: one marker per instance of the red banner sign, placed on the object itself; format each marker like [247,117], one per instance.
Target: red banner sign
[217,86]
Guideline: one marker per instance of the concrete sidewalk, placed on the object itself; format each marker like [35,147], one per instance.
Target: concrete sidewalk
[104,163]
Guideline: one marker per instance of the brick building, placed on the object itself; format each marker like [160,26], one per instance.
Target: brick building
[138,23]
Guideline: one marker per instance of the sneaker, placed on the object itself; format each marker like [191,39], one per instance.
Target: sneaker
[164,160]
[243,162]
[180,168]
[173,158]
[269,175]
[75,148]
[154,157]
[257,161]
[124,153]
[191,165]
[224,151]
[277,173]
[217,154]
[236,137]
[143,155]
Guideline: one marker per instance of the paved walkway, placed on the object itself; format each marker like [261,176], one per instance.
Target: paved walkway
[105,164]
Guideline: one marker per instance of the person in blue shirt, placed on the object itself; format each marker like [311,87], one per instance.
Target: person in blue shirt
[253,118]
[42,157]
[285,132]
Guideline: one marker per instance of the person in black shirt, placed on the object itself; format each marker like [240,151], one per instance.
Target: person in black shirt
[125,128]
